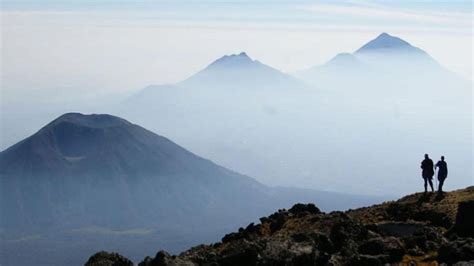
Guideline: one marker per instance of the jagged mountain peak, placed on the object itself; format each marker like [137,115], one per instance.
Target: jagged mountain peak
[233,60]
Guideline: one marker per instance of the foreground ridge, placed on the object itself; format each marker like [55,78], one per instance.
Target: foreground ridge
[417,229]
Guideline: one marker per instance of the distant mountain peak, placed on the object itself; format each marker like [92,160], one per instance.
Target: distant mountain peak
[240,71]
[233,60]
[386,41]
[243,54]
[92,120]
[343,59]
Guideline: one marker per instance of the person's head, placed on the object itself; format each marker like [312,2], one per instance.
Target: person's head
[426,156]
[442,158]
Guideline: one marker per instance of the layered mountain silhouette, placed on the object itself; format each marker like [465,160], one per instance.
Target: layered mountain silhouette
[383,59]
[276,134]
[227,85]
[342,68]
[235,75]
[107,183]
[99,174]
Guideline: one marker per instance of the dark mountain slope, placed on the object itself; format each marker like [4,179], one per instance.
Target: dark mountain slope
[416,230]
[103,170]
[86,182]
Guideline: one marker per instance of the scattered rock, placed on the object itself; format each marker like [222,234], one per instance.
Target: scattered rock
[411,231]
[456,251]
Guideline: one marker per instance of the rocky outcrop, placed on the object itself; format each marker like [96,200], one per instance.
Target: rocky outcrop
[413,230]
[108,259]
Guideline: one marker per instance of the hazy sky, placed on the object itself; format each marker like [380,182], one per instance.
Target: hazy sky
[77,48]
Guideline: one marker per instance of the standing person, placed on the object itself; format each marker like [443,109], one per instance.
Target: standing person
[442,173]
[428,172]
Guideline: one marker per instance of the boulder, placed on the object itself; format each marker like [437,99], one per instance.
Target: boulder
[389,246]
[104,258]
[464,225]
[304,208]
[346,233]
[399,229]
[239,253]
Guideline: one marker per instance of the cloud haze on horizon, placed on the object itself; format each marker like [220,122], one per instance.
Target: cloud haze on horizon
[76,48]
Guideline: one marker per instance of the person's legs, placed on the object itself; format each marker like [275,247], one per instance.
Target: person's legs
[430,180]
[426,184]
[441,182]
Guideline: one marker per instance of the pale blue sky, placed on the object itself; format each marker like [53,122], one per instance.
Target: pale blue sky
[125,45]
[409,13]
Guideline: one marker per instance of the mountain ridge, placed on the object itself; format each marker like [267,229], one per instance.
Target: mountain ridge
[233,60]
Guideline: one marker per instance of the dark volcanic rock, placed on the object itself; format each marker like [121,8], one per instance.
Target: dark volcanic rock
[277,220]
[425,240]
[464,263]
[346,232]
[390,246]
[245,254]
[248,232]
[108,259]
[457,250]
[368,260]
[304,208]
[161,258]
[395,233]
[399,229]
[464,225]
[406,212]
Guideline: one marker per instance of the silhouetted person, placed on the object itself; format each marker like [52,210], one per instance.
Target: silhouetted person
[428,172]
[442,173]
